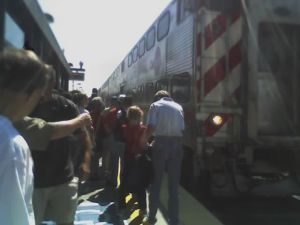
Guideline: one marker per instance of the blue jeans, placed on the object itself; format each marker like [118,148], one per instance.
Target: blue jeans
[167,155]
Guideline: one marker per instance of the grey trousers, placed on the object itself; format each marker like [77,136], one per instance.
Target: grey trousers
[167,155]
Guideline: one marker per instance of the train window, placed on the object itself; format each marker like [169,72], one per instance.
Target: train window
[163,26]
[181,88]
[185,8]
[274,57]
[141,89]
[150,38]
[129,59]
[162,85]
[122,66]
[142,47]
[135,54]
[13,34]
[149,92]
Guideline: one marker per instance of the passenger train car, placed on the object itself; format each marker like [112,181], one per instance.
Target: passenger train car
[234,67]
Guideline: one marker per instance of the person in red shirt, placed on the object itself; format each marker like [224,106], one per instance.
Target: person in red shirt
[104,135]
[133,134]
[95,108]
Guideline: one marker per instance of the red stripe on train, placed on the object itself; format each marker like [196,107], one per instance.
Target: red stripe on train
[218,71]
[236,15]
[235,55]
[214,75]
[215,29]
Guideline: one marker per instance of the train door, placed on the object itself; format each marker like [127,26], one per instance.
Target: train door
[278,79]
[273,81]
[272,97]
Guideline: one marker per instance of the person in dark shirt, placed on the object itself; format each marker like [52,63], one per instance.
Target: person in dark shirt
[55,193]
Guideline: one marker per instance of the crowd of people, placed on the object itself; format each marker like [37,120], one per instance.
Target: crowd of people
[51,140]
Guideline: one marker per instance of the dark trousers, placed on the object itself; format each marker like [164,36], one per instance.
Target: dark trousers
[126,188]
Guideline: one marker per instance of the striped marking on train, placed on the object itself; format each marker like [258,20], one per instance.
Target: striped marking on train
[219,61]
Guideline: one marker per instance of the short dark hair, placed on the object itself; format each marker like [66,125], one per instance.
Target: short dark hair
[125,100]
[96,103]
[79,97]
[23,71]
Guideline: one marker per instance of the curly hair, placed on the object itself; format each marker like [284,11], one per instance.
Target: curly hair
[135,113]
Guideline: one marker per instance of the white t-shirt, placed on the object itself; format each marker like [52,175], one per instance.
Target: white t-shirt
[16,177]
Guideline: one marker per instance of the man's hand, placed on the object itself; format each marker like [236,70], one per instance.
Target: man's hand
[85,120]
[64,128]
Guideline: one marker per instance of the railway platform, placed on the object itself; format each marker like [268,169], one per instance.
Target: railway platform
[96,207]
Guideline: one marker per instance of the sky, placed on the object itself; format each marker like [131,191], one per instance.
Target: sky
[100,33]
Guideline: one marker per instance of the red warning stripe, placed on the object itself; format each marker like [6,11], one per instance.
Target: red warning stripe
[218,27]
[235,55]
[214,75]
[236,15]
[218,71]
[215,29]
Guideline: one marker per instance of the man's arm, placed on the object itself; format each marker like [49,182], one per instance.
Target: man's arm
[64,128]
[38,133]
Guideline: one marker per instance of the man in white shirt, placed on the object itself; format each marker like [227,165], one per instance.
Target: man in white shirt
[166,123]
[22,82]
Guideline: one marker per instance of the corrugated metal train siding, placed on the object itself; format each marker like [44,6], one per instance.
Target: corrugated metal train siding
[180,49]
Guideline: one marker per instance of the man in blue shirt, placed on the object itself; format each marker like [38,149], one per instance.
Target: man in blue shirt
[166,123]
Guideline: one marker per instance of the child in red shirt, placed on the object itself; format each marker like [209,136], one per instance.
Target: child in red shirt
[133,134]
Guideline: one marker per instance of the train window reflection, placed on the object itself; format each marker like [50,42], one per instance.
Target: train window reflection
[150,38]
[181,88]
[163,26]
[135,54]
[142,48]
[13,34]
[122,66]
[273,56]
[185,8]
[278,82]
[162,85]
[129,59]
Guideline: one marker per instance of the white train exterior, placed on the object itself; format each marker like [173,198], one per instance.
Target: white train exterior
[234,67]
